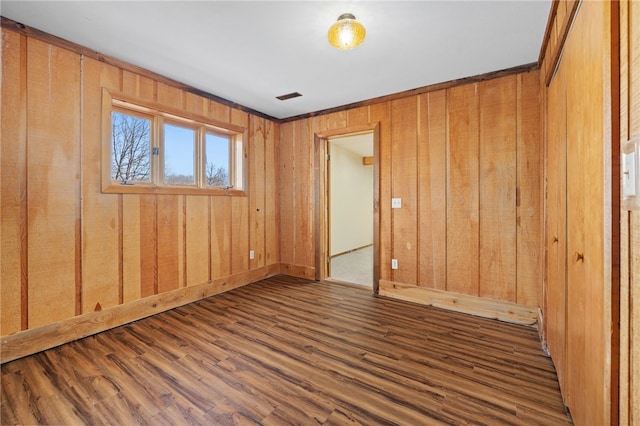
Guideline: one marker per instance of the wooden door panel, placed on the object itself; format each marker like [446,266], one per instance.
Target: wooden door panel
[589,324]
[555,313]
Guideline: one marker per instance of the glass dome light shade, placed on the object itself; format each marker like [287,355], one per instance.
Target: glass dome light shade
[346,33]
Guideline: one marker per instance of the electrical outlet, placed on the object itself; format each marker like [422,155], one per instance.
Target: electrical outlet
[394,263]
[396,203]
[252,254]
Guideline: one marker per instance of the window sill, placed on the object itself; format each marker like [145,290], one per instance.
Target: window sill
[140,188]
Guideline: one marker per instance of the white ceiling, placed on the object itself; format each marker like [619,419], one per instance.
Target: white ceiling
[249,52]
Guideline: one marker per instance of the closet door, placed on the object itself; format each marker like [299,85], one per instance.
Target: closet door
[582,182]
[556,232]
[577,350]
[589,326]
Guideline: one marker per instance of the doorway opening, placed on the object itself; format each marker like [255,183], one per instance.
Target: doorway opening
[322,171]
[350,208]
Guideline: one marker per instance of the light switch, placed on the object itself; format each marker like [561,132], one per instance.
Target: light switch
[631,174]
[629,181]
[396,203]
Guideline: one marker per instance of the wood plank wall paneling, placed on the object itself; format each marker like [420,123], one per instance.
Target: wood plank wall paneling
[69,250]
[148,244]
[404,185]
[529,197]
[13,155]
[239,235]
[432,183]
[220,237]
[498,182]
[333,121]
[297,243]
[219,112]
[358,116]
[287,197]
[169,96]
[303,173]
[240,210]
[197,235]
[132,253]
[100,243]
[169,251]
[139,86]
[463,252]
[380,113]
[630,229]
[431,158]
[257,200]
[53,181]
[626,71]
[271,193]
[634,130]
[196,104]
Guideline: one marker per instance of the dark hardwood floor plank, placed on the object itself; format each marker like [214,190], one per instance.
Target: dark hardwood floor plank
[286,351]
[18,403]
[346,365]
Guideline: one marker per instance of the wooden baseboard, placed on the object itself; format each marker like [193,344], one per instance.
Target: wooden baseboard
[28,342]
[299,271]
[486,308]
[542,332]
[350,251]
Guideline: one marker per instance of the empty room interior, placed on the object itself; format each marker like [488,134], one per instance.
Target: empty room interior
[311,212]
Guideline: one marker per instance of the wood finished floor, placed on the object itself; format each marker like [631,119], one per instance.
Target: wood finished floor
[288,351]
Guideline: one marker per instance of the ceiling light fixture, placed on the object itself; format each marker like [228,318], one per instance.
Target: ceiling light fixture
[346,33]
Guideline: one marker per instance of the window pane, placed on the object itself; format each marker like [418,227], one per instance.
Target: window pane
[217,160]
[130,148]
[179,154]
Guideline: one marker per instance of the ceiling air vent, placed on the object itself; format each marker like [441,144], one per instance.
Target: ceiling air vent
[288,96]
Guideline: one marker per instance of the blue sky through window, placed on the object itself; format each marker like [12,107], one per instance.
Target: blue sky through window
[179,154]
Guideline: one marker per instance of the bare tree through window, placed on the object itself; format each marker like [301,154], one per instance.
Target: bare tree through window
[216,176]
[130,148]
[217,160]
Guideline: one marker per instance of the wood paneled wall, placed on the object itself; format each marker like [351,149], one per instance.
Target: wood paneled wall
[69,250]
[582,226]
[560,19]
[466,162]
[630,221]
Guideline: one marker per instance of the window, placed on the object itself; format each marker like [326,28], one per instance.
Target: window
[152,150]
[217,160]
[179,155]
[130,147]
